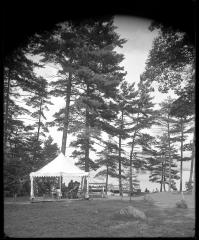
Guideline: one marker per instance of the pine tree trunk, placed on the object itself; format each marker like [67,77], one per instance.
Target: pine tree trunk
[169,155]
[131,161]
[120,147]
[39,123]
[181,150]
[181,176]
[120,169]
[191,168]
[130,178]
[6,111]
[87,142]
[162,178]
[106,178]
[165,170]
[192,159]
[194,169]
[67,111]
[164,182]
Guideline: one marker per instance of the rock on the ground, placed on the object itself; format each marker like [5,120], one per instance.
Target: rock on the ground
[148,198]
[181,204]
[132,211]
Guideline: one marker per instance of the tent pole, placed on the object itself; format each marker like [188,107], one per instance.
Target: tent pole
[60,193]
[60,182]
[102,191]
[82,183]
[87,188]
[31,188]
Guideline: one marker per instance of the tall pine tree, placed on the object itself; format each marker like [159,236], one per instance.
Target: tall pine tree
[166,121]
[107,161]
[161,162]
[142,116]
[181,129]
[100,74]
[171,64]
[39,102]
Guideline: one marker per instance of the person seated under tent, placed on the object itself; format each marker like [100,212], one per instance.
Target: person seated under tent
[53,192]
[73,188]
[58,193]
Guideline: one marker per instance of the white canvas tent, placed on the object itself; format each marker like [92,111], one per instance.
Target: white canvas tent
[59,167]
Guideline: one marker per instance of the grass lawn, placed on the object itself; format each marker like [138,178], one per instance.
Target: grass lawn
[95,218]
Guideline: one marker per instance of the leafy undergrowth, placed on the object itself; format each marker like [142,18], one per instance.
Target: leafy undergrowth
[95,218]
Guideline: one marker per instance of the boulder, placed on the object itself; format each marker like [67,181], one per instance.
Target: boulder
[181,204]
[148,198]
[134,212]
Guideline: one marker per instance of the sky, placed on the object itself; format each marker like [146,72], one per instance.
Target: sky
[136,49]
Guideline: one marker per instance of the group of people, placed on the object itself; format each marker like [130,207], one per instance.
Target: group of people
[156,190]
[69,191]
[147,191]
[72,190]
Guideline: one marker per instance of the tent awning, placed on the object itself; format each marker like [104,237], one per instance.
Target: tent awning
[58,174]
[60,166]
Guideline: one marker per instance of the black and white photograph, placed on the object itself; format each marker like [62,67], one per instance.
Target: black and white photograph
[99,122]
